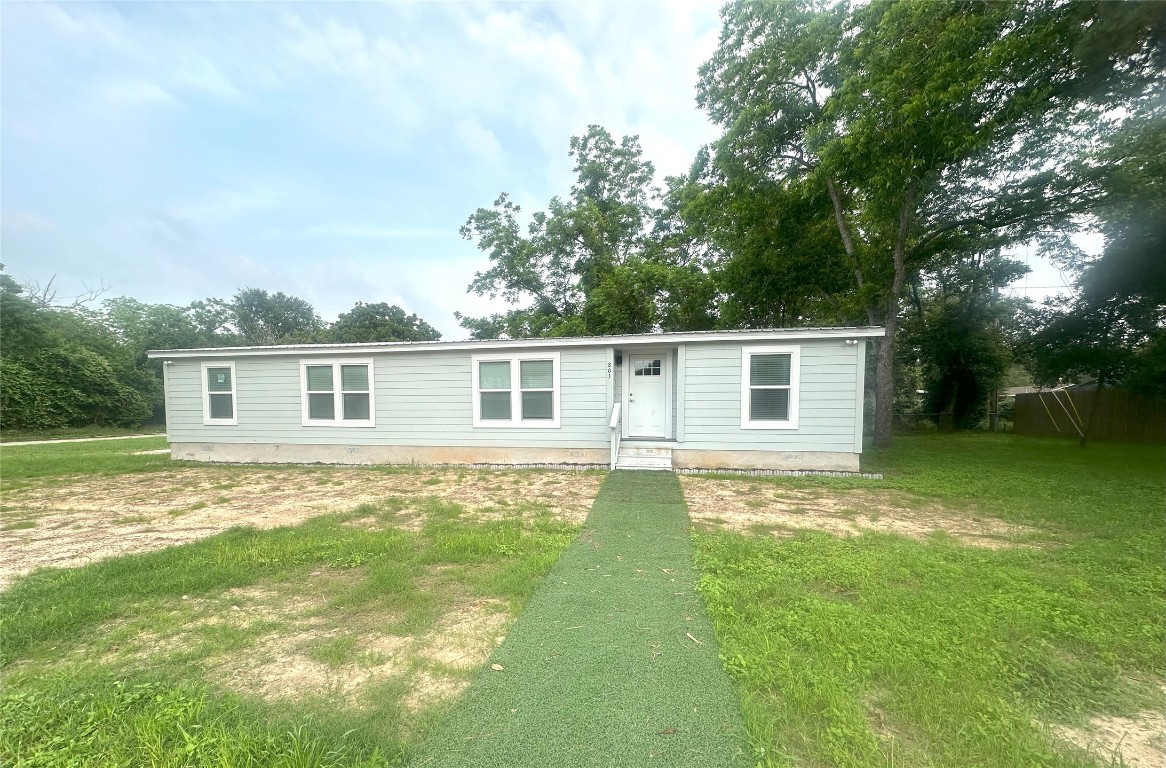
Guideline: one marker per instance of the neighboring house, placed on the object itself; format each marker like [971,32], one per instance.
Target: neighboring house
[764,399]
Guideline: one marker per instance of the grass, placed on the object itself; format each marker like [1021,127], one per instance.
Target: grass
[879,650]
[613,661]
[67,433]
[106,721]
[127,661]
[25,465]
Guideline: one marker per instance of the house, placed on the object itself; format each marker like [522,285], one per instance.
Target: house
[754,399]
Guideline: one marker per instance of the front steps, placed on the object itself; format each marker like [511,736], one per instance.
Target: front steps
[644,456]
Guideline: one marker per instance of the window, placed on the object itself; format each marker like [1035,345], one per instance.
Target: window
[647,368]
[516,390]
[769,387]
[337,394]
[218,394]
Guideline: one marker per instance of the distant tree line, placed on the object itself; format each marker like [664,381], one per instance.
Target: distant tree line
[877,162]
[76,365]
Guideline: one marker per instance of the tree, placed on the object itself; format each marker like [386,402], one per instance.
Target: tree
[264,318]
[152,326]
[587,264]
[1112,328]
[930,126]
[213,318]
[960,333]
[380,322]
[63,367]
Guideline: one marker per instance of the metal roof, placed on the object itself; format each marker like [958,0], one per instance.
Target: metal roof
[639,339]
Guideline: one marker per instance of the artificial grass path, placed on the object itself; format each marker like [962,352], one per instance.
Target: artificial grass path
[613,661]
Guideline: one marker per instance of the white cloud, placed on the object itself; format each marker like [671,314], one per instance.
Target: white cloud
[228,203]
[134,93]
[480,141]
[326,150]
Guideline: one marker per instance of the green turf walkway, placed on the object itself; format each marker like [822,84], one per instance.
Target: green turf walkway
[600,669]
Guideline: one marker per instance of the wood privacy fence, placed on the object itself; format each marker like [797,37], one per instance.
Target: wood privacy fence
[1121,416]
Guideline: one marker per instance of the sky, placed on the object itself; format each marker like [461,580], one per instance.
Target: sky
[173,152]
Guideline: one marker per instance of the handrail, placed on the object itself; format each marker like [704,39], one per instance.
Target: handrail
[615,430]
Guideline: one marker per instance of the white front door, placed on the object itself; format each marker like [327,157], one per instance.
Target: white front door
[648,383]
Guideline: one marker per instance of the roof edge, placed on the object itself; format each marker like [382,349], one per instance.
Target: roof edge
[642,339]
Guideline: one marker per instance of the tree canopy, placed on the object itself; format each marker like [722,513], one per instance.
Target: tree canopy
[73,365]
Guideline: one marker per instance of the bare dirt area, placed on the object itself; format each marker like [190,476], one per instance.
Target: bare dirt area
[75,523]
[749,507]
[296,649]
[1137,742]
[431,668]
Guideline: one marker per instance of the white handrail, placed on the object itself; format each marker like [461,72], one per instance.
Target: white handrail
[615,430]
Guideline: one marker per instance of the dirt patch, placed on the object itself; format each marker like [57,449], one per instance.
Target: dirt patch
[1137,742]
[465,638]
[747,507]
[95,518]
[432,668]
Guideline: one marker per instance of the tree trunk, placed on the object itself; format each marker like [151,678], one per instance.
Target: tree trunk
[885,365]
[885,386]
[847,240]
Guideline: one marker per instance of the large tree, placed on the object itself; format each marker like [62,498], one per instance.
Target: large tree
[273,318]
[1111,328]
[588,263]
[933,128]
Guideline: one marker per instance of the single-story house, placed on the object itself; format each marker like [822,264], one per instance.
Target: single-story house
[755,399]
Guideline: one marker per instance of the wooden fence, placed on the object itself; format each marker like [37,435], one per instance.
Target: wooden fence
[1121,416]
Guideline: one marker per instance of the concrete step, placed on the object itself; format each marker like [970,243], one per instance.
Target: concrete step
[643,462]
[631,449]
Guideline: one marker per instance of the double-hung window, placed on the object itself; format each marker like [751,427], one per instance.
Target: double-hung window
[516,390]
[218,394]
[769,387]
[337,393]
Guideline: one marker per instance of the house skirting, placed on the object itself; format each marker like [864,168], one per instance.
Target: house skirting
[832,461]
[296,453]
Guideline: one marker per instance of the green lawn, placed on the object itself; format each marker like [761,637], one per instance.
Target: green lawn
[168,658]
[876,650]
[880,650]
[24,465]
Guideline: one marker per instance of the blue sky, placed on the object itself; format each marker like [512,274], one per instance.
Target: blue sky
[331,151]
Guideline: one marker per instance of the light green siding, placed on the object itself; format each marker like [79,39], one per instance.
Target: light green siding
[422,398]
[829,381]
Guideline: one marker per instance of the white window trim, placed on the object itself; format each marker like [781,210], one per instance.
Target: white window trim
[516,421]
[206,396]
[338,394]
[795,365]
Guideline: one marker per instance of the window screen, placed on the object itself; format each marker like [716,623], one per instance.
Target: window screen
[537,379]
[220,393]
[769,387]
